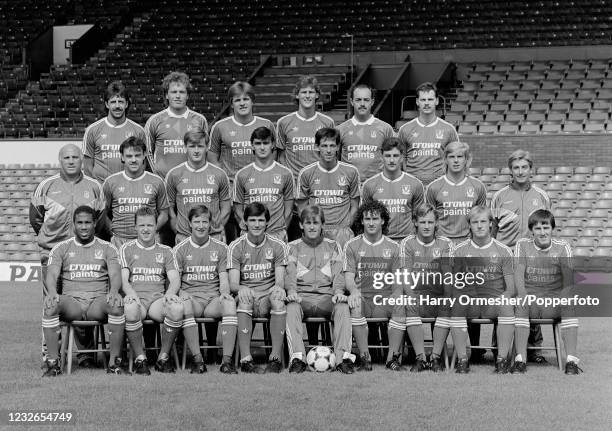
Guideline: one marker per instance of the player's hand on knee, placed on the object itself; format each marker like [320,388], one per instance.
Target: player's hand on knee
[245,295]
[51,301]
[130,299]
[354,300]
[278,294]
[114,300]
[292,296]
[339,297]
[169,299]
[226,296]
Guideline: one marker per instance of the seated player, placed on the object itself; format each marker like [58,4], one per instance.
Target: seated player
[146,267]
[544,269]
[427,253]
[369,253]
[316,289]
[91,278]
[205,291]
[256,264]
[491,264]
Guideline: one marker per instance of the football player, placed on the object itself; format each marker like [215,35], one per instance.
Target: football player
[402,193]
[194,183]
[316,289]
[366,256]
[256,264]
[430,254]
[265,181]
[426,136]
[102,139]
[91,278]
[363,134]
[544,269]
[166,129]
[127,191]
[146,268]
[491,263]
[332,185]
[205,290]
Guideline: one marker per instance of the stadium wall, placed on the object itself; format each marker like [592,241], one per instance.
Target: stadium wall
[32,151]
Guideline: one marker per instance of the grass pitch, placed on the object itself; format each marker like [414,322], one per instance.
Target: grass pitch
[544,398]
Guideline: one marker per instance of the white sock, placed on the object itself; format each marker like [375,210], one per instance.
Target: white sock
[573,359]
[519,358]
[297,355]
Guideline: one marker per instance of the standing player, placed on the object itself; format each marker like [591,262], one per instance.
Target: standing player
[91,278]
[296,131]
[332,185]
[194,183]
[511,207]
[146,268]
[544,269]
[125,192]
[205,290]
[430,254]
[363,134]
[402,193]
[365,255]
[256,264]
[102,139]
[426,136]
[316,289]
[491,263]
[454,193]
[265,181]
[166,129]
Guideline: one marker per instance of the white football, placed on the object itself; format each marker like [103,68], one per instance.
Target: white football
[321,358]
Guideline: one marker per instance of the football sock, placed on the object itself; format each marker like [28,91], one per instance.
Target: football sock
[116,329]
[190,333]
[573,359]
[439,339]
[396,337]
[51,329]
[227,359]
[570,340]
[169,330]
[229,325]
[245,325]
[521,334]
[360,332]
[460,338]
[416,338]
[133,331]
[505,334]
[277,332]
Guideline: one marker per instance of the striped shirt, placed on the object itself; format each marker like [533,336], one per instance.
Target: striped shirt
[544,267]
[200,266]
[431,258]
[148,266]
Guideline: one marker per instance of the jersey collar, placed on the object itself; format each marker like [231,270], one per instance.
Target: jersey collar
[194,245]
[189,168]
[380,241]
[542,249]
[297,114]
[112,126]
[514,186]
[369,122]
[321,168]
[389,180]
[429,244]
[78,244]
[269,168]
[173,115]
[133,179]
[139,245]
[487,245]
[246,238]
[250,123]
[433,123]
[460,183]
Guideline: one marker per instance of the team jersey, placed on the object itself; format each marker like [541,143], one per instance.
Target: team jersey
[401,196]
[53,204]
[429,258]
[257,263]
[200,265]
[148,266]
[425,146]
[84,267]
[296,137]
[165,132]
[124,195]
[360,144]
[511,207]
[272,186]
[453,203]
[493,261]
[332,190]
[543,267]
[101,142]
[231,141]
[188,187]
[364,259]
[316,270]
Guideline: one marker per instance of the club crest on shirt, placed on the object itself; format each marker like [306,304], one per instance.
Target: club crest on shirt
[387,253]
[86,195]
[405,190]
[342,181]
[470,192]
[494,258]
[373,134]
[189,127]
[436,252]
[247,255]
[276,179]
[214,256]
[210,179]
[98,254]
[159,258]
[439,134]
[535,202]
[326,256]
[269,253]
[148,189]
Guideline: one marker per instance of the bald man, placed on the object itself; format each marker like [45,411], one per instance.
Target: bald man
[56,198]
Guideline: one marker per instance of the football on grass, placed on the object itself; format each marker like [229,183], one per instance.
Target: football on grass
[321,359]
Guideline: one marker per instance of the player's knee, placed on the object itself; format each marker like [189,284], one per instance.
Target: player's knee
[228,307]
[51,311]
[277,305]
[293,309]
[132,312]
[174,311]
[341,309]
